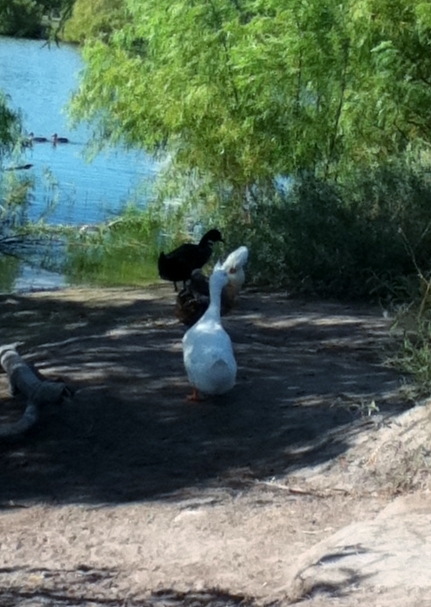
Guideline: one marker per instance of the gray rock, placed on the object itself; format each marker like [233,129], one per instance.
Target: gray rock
[391,552]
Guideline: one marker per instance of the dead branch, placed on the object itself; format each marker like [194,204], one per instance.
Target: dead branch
[27,381]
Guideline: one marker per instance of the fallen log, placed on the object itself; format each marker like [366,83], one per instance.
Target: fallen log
[26,380]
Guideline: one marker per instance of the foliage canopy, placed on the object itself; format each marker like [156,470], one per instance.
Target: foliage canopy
[98,18]
[9,127]
[245,90]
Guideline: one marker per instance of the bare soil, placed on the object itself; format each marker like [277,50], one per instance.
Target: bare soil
[131,495]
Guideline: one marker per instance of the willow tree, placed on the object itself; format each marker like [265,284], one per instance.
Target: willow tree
[392,39]
[10,127]
[94,19]
[32,18]
[10,137]
[245,90]
[241,89]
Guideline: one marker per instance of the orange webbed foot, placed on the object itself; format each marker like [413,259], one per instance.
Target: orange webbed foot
[195,397]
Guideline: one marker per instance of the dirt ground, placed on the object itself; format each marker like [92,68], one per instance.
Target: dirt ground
[131,495]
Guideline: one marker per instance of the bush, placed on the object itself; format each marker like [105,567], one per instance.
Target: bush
[121,252]
[362,238]
[21,18]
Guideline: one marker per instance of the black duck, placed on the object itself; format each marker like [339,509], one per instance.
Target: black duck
[179,264]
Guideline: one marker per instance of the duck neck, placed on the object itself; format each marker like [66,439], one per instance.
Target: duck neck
[215,299]
[206,242]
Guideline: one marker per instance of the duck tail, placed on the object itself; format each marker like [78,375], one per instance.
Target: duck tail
[161,264]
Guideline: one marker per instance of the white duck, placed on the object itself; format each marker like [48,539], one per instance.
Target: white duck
[234,266]
[207,349]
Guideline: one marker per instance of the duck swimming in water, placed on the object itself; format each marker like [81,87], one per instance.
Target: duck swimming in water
[32,137]
[20,167]
[179,264]
[56,139]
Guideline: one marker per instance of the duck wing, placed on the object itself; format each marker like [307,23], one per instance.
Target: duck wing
[173,267]
[209,358]
[197,256]
[189,253]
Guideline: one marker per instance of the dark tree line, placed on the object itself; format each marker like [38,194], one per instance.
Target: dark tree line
[32,19]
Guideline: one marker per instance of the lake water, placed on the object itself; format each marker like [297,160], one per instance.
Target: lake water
[39,80]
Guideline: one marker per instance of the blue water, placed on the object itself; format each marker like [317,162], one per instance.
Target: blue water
[39,81]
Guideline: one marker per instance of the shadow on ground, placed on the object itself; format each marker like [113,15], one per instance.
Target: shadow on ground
[308,372]
[78,586]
